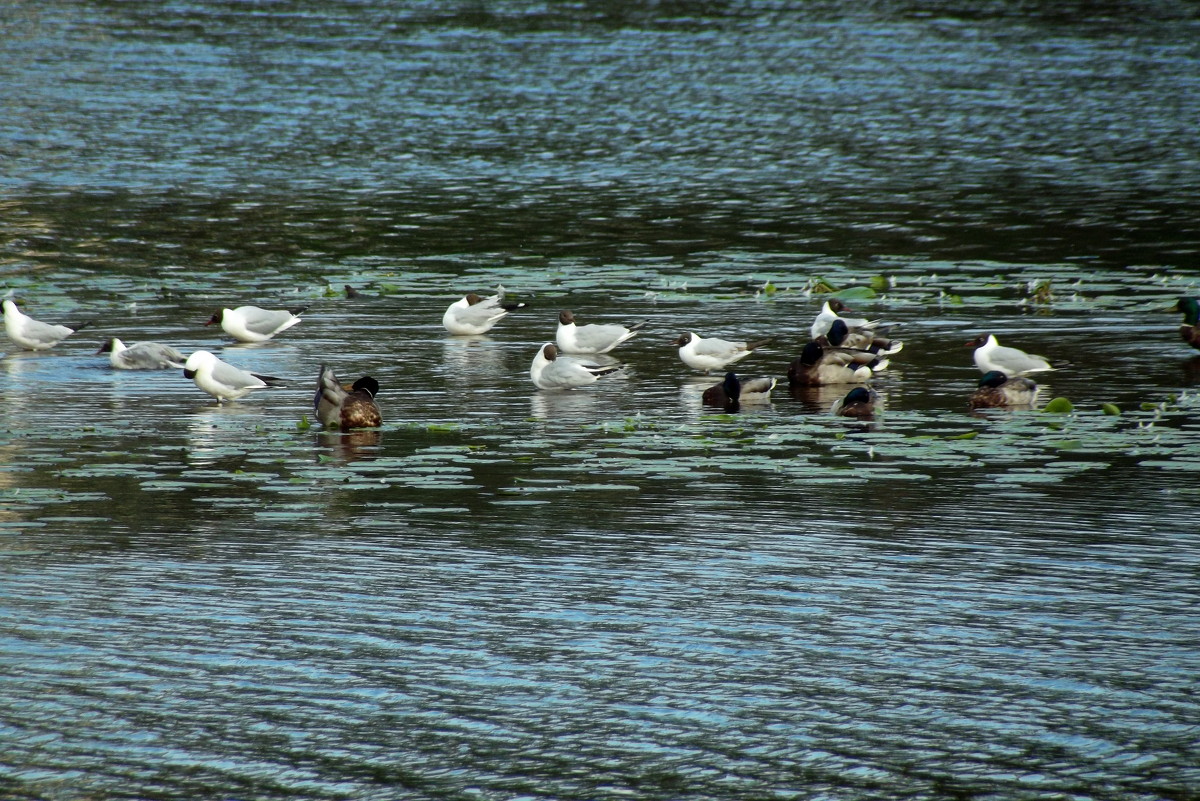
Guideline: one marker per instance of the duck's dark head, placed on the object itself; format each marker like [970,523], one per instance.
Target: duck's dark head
[1191,310]
[811,354]
[683,340]
[732,387]
[838,332]
[993,378]
[566,317]
[367,384]
[857,395]
[216,318]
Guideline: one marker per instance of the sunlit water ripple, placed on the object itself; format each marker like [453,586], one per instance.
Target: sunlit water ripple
[509,593]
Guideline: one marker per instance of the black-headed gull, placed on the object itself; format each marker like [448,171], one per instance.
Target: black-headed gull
[141,355]
[549,371]
[712,353]
[354,408]
[33,334]
[818,366]
[858,402]
[222,380]
[832,311]
[991,355]
[472,315]
[997,390]
[1189,332]
[252,324]
[591,338]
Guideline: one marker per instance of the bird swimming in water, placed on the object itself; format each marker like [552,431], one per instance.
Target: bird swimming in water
[591,338]
[550,371]
[141,355]
[472,314]
[712,353]
[991,355]
[252,324]
[817,366]
[33,334]
[346,407]
[996,390]
[1189,332]
[222,380]
[858,402]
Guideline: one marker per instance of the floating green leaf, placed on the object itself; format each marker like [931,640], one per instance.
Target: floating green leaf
[1059,406]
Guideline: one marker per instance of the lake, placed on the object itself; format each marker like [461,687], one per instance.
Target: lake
[508,593]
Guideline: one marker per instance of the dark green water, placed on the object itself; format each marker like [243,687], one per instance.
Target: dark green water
[613,592]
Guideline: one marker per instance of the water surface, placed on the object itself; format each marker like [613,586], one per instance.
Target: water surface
[508,593]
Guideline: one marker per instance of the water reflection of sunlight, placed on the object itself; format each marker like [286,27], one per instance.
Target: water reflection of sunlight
[473,357]
[564,404]
[216,431]
[349,446]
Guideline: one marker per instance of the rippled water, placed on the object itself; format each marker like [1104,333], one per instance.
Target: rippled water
[509,593]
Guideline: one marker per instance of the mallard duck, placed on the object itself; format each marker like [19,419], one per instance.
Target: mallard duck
[591,338]
[839,335]
[222,380]
[997,390]
[548,371]
[711,354]
[346,408]
[472,315]
[991,355]
[1189,332]
[33,334]
[141,355]
[858,402]
[732,392]
[252,324]
[817,366]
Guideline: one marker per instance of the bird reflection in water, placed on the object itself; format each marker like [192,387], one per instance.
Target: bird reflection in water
[349,446]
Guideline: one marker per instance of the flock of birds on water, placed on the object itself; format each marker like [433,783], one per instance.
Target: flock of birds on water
[843,350]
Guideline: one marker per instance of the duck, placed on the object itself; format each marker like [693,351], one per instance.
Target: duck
[141,355]
[999,390]
[839,335]
[991,355]
[832,311]
[711,354]
[346,407]
[858,402]
[591,338]
[222,380]
[473,314]
[1189,332]
[252,324]
[33,334]
[817,366]
[732,392]
[548,371]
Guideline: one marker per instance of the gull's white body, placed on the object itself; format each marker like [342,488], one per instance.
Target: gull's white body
[828,314]
[549,371]
[591,338]
[991,355]
[472,315]
[29,333]
[712,353]
[142,356]
[252,324]
[220,379]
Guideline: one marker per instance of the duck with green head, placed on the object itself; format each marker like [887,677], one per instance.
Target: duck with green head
[1189,332]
